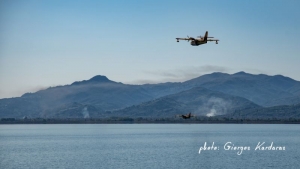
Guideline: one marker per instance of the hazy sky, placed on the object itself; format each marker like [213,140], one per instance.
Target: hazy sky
[46,43]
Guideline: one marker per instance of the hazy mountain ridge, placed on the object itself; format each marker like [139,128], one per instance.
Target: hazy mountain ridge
[276,112]
[100,92]
[199,101]
[73,110]
[20,107]
[261,89]
[103,95]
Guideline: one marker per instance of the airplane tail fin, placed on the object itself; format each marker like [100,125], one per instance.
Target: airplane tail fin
[206,36]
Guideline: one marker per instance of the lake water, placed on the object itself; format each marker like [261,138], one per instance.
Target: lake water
[148,146]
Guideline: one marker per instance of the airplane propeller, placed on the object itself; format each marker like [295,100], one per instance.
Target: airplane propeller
[190,38]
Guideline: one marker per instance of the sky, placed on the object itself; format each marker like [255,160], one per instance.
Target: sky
[47,43]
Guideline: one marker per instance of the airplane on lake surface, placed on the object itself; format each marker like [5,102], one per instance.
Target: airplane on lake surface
[200,41]
[187,116]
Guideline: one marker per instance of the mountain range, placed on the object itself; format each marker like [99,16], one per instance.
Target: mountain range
[200,101]
[209,95]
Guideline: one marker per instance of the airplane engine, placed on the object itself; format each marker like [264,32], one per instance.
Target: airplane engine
[194,43]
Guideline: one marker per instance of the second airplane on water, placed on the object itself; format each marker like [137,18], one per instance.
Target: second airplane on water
[187,116]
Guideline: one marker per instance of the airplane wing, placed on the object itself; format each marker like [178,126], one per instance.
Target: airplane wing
[212,39]
[183,39]
[216,40]
[188,39]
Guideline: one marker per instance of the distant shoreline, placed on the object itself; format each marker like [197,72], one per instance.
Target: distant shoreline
[146,121]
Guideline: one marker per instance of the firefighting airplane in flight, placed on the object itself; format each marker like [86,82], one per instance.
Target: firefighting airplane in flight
[200,41]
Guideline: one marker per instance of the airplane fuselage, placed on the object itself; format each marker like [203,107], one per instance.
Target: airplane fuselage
[197,42]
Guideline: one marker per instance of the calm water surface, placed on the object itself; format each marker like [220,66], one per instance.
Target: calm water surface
[147,146]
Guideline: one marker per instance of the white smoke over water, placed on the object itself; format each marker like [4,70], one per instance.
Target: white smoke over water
[217,106]
[211,113]
[85,113]
[214,107]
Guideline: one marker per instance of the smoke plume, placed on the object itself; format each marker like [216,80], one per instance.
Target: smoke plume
[214,106]
[85,113]
[217,106]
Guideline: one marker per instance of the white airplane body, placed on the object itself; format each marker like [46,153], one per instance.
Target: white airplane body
[200,41]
